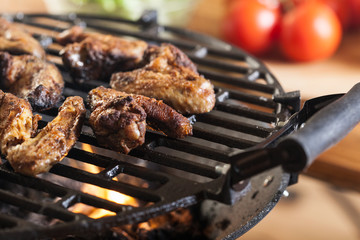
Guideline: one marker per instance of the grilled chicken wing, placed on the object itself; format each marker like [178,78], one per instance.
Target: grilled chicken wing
[15,40]
[31,78]
[36,155]
[169,75]
[71,35]
[118,122]
[95,56]
[17,123]
[158,115]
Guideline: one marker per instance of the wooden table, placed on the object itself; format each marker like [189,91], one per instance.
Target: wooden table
[339,165]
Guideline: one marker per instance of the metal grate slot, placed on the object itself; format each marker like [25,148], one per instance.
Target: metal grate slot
[227,67]
[240,82]
[216,135]
[169,160]
[34,206]
[246,112]
[230,122]
[7,221]
[199,147]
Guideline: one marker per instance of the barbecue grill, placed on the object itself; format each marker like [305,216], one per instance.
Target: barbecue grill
[252,114]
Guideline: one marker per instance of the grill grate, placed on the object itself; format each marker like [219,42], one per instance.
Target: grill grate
[244,116]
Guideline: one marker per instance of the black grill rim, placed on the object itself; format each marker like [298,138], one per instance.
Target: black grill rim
[216,189]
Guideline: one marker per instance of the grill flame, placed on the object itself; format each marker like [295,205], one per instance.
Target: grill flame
[103,193]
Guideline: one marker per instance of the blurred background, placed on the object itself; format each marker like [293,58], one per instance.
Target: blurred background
[325,204]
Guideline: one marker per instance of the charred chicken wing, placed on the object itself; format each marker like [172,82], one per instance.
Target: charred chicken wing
[118,122]
[31,78]
[95,56]
[17,123]
[15,40]
[118,118]
[168,75]
[33,155]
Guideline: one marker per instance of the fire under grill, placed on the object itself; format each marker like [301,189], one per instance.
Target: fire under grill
[164,174]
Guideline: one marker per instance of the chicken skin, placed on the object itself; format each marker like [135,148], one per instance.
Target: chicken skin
[118,122]
[17,123]
[33,155]
[15,40]
[31,78]
[118,118]
[168,75]
[95,56]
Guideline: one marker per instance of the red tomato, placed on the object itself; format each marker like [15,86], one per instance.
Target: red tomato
[342,10]
[340,7]
[252,25]
[355,13]
[310,31]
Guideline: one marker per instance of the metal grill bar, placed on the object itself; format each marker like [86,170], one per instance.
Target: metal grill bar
[234,142]
[235,125]
[124,167]
[56,190]
[219,65]
[246,112]
[181,164]
[254,99]
[33,206]
[79,175]
[194,148]
[7,222]
[237,81]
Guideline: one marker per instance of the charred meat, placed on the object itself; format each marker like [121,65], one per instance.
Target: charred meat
[118,122]
[71,35]
[15,40]
[31,78]
[95,56]
[168,75]
[33,155]
[118,118]
[17,122]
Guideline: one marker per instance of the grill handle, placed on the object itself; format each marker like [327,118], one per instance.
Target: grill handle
[324,129]
[298,150]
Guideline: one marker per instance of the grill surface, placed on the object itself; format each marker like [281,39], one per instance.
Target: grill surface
[244,117]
